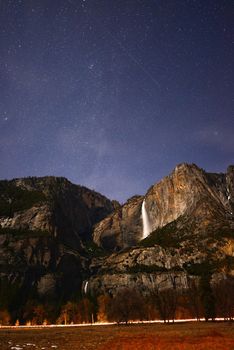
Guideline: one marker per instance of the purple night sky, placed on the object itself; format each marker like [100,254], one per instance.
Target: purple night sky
[112,94]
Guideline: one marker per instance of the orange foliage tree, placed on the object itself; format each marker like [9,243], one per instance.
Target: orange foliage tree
[5,318]
[103,303]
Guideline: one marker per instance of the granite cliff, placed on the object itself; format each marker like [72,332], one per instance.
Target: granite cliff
[59,240]
[188,193]
[45,232]
[192,223]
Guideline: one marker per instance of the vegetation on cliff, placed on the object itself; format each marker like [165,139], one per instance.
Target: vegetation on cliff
[166,237]
[14,198]
[53,270]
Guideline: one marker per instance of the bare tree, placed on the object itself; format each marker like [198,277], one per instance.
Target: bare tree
[207,296]
[166,303]
[166,299]
[194,299]
[126,305]
[224,300]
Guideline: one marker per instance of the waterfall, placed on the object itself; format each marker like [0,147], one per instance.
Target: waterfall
[86,287]
[145,219]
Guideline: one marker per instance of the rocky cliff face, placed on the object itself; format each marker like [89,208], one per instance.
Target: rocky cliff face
[45,224]
[188,192]
[192,223]
[121,229]
[53,204]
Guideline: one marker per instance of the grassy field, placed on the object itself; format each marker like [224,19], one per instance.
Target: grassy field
[186,336]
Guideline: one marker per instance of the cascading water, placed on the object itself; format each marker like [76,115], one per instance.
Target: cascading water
[86,287]
[145,219]
[228,194]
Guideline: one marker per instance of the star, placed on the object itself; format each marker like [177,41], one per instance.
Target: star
[114,89]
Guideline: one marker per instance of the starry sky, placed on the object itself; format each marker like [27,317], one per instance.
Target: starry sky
[112,94]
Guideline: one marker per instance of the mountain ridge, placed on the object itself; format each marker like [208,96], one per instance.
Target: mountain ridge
[60,241]
[175,195]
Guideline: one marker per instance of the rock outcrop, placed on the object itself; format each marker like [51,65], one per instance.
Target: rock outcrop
[58,240]
[45,226]
[121,229]
[188,192]
[191,217]
[59,207]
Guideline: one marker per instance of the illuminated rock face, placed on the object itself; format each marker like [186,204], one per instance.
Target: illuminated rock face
[143,282]
[43,245]
[191,215]
[188,192]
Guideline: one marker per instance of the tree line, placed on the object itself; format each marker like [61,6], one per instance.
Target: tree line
[200,300]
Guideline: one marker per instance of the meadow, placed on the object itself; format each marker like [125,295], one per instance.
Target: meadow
[183,336]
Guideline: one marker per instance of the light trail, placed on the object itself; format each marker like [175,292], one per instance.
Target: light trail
[108,323]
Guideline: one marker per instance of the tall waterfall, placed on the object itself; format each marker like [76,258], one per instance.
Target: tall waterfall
[86,287]
[145,219]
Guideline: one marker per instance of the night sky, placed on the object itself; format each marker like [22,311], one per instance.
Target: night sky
[112,94]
